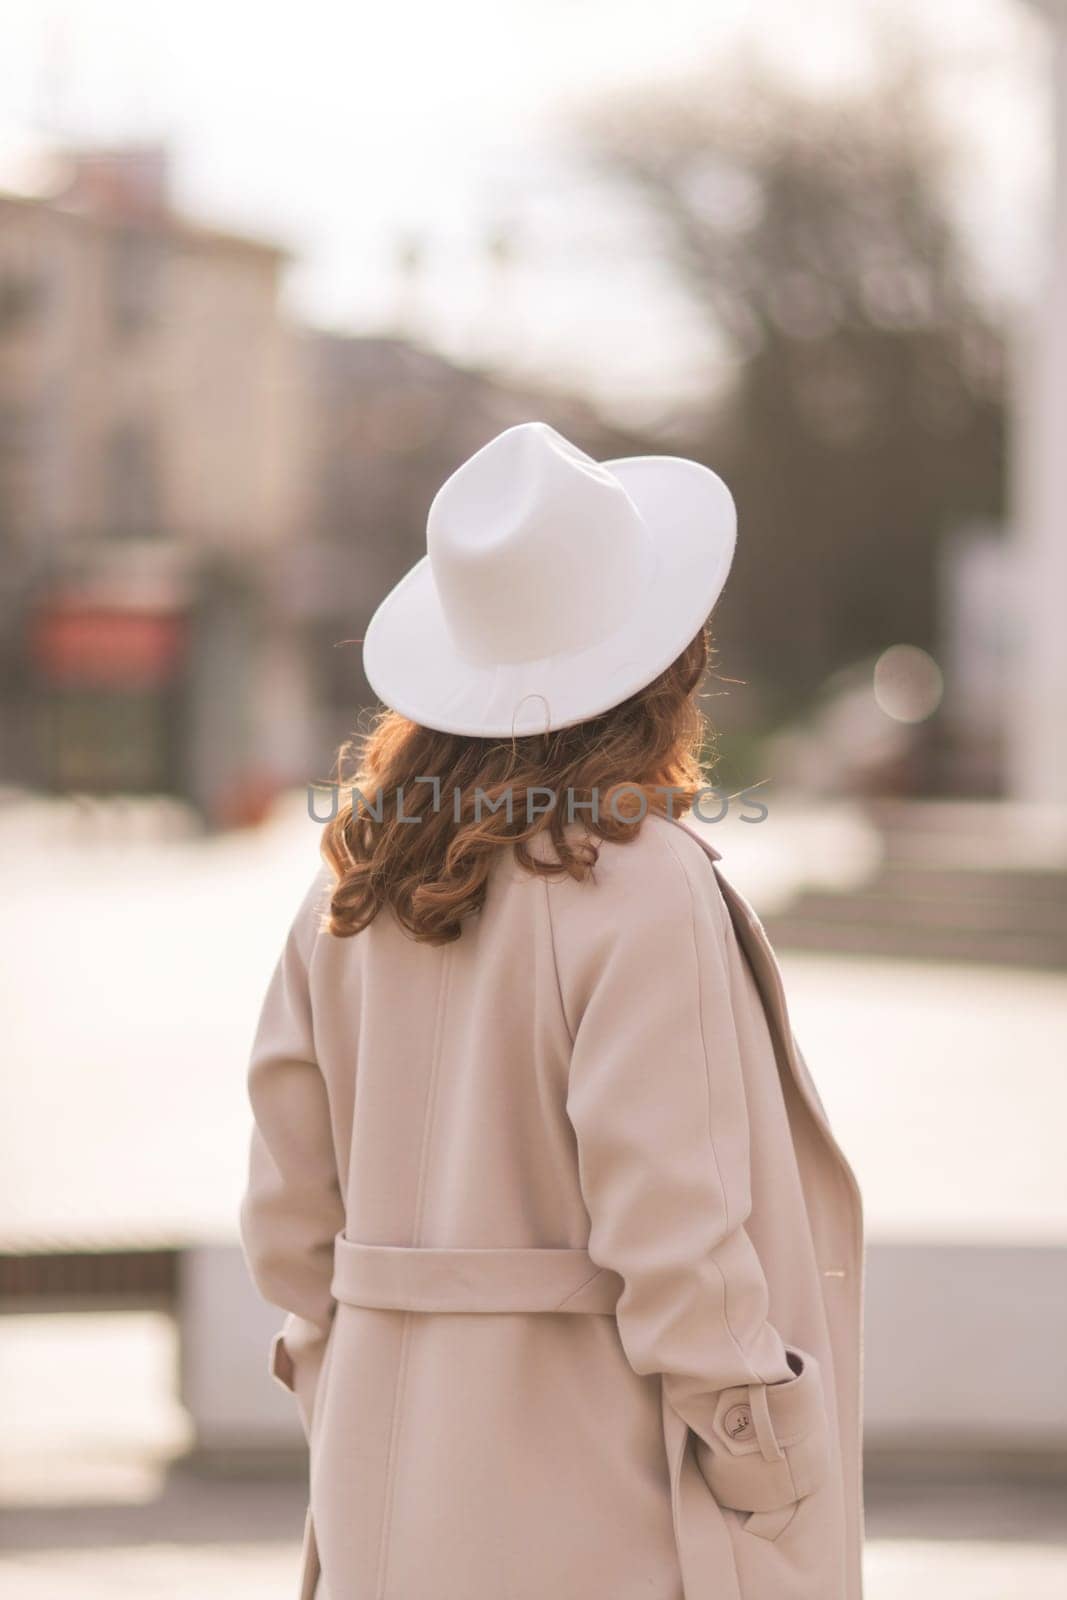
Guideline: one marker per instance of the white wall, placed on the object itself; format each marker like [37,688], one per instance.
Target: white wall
[965,1351]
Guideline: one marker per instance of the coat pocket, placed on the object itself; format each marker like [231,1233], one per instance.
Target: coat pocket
[769,1446]
[281,1362]
[296,1359]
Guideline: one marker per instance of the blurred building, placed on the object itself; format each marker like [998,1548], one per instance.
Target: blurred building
[200,503]
[149,482]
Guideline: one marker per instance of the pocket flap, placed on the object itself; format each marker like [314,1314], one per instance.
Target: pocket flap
[769,1444]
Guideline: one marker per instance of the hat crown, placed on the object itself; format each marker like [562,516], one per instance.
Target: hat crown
[536,549]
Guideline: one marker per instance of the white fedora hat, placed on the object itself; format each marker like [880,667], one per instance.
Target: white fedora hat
[553,587]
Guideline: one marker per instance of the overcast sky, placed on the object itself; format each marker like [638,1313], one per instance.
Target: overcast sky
[340,128]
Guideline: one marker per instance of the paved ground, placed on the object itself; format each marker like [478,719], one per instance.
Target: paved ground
[95,1507]
[196,1537]
[95,1504]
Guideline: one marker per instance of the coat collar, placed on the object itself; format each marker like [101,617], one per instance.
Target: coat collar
[752,937]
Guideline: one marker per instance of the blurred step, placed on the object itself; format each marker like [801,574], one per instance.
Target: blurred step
[798,931]
[956,882]
[882,903]
[994,884]
[973,835]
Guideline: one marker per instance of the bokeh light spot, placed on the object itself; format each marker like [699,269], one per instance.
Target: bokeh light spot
[908,683]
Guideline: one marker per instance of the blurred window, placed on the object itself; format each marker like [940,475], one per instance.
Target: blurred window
[19,437]
[101,742]
[134,283]
[17,429]
[132,482]
[22,299]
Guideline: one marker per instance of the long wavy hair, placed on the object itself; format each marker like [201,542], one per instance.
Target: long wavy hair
[429,812]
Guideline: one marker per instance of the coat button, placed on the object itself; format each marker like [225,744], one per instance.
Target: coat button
[738,1422]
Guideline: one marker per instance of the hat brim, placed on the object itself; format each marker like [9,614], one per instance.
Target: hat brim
[412,663]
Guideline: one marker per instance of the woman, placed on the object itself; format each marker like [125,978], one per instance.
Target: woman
[572,1262]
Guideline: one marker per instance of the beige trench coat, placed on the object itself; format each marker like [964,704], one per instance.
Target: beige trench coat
[572,1261]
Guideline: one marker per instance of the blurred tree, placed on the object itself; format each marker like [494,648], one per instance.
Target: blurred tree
[863,416]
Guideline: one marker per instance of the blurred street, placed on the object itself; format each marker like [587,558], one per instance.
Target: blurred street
[108,1525]
[241,1539]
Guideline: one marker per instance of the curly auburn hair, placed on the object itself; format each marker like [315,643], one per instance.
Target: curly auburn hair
[643,755]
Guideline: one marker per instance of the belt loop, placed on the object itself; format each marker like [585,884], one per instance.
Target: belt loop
[770,1449]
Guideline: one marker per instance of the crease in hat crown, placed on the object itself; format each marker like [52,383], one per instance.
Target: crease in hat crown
[536,549]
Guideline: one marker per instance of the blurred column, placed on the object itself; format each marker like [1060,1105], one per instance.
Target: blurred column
[1037,736]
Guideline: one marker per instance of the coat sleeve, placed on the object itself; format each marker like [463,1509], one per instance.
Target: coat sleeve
[292,1207]
[657,1102]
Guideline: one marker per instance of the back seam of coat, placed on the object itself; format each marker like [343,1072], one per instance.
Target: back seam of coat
[555,962]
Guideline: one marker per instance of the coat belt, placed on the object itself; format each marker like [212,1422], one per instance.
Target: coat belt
[413,1278]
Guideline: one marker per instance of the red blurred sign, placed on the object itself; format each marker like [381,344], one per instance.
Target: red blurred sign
[101,647]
